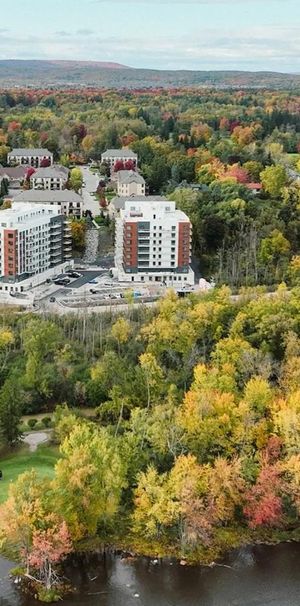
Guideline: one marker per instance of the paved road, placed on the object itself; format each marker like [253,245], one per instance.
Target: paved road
[91,184]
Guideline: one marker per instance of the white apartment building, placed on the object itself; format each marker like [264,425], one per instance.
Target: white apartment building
[29,156]
[32,239]
[70,203]
[153,243]
[130,183]
[51,178]
[111,156]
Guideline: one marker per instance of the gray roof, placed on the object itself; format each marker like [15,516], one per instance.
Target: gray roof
[125,177]
[119,201]
[47,196]
[29,152]
[51,172]
[119,153]
[14,172]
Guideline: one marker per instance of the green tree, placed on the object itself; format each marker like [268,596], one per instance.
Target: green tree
[89,479]
[76,179]
[11,404]
[274,178]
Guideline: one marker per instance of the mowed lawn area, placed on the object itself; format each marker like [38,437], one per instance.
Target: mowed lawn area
[42,460]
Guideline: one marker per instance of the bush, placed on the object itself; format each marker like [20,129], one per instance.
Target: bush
[32,423]
[39,425]
[18,571]
[48,595]
[46,421]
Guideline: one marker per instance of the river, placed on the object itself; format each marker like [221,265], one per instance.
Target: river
[253,576]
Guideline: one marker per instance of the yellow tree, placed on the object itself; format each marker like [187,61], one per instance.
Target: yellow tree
[120,331]
[23,513]
[88,479]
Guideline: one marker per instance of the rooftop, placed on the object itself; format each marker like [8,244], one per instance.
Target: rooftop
[19,214]
[125,177]
[119,153]
[14,172]
[137,210]
[254,185]
[47,196]
[29,152]
[51,172]
[119,201]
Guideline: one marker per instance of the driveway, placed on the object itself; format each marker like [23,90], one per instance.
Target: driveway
[91,184]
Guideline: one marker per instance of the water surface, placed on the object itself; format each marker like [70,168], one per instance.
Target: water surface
[260,576]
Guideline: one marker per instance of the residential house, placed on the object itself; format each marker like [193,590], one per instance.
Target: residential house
[112,156]
[51,178]
[255,188]
[70,203]
[130,183]
[30,157]
[15,175]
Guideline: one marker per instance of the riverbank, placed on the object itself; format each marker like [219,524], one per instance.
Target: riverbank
[225,542]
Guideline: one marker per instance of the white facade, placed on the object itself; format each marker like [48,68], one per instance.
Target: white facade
[51,178]
[111,156]
[70,203]
[153,243]
[32,239]
[29,157]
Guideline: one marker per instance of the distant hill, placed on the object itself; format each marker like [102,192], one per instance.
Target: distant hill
[114,75]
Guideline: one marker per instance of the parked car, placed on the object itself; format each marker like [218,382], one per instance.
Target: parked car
[73,274]
[93,281]
[93,291]
[62,281]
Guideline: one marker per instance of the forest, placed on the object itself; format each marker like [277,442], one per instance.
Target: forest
[192,444]
[229,158]
[175,428]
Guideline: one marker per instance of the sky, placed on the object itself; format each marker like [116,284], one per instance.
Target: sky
[160,34]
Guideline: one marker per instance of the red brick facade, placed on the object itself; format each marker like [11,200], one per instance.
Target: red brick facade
[130,245]
[10,252]
[184,237]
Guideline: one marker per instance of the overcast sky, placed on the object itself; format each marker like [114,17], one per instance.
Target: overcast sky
[167,34]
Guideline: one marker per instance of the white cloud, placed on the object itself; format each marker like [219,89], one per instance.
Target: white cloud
[273,47]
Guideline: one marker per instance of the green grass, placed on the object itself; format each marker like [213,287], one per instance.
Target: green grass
[86,412]
[42,460]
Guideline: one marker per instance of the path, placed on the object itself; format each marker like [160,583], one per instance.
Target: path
[35,438]
[91,183]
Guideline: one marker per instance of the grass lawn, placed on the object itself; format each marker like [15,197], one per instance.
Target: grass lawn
[43,460]
[86,412]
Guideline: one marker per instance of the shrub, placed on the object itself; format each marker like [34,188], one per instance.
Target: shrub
[48,595]
[46,421]
[32,423]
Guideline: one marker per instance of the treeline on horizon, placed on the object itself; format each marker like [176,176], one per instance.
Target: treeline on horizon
[42,73]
